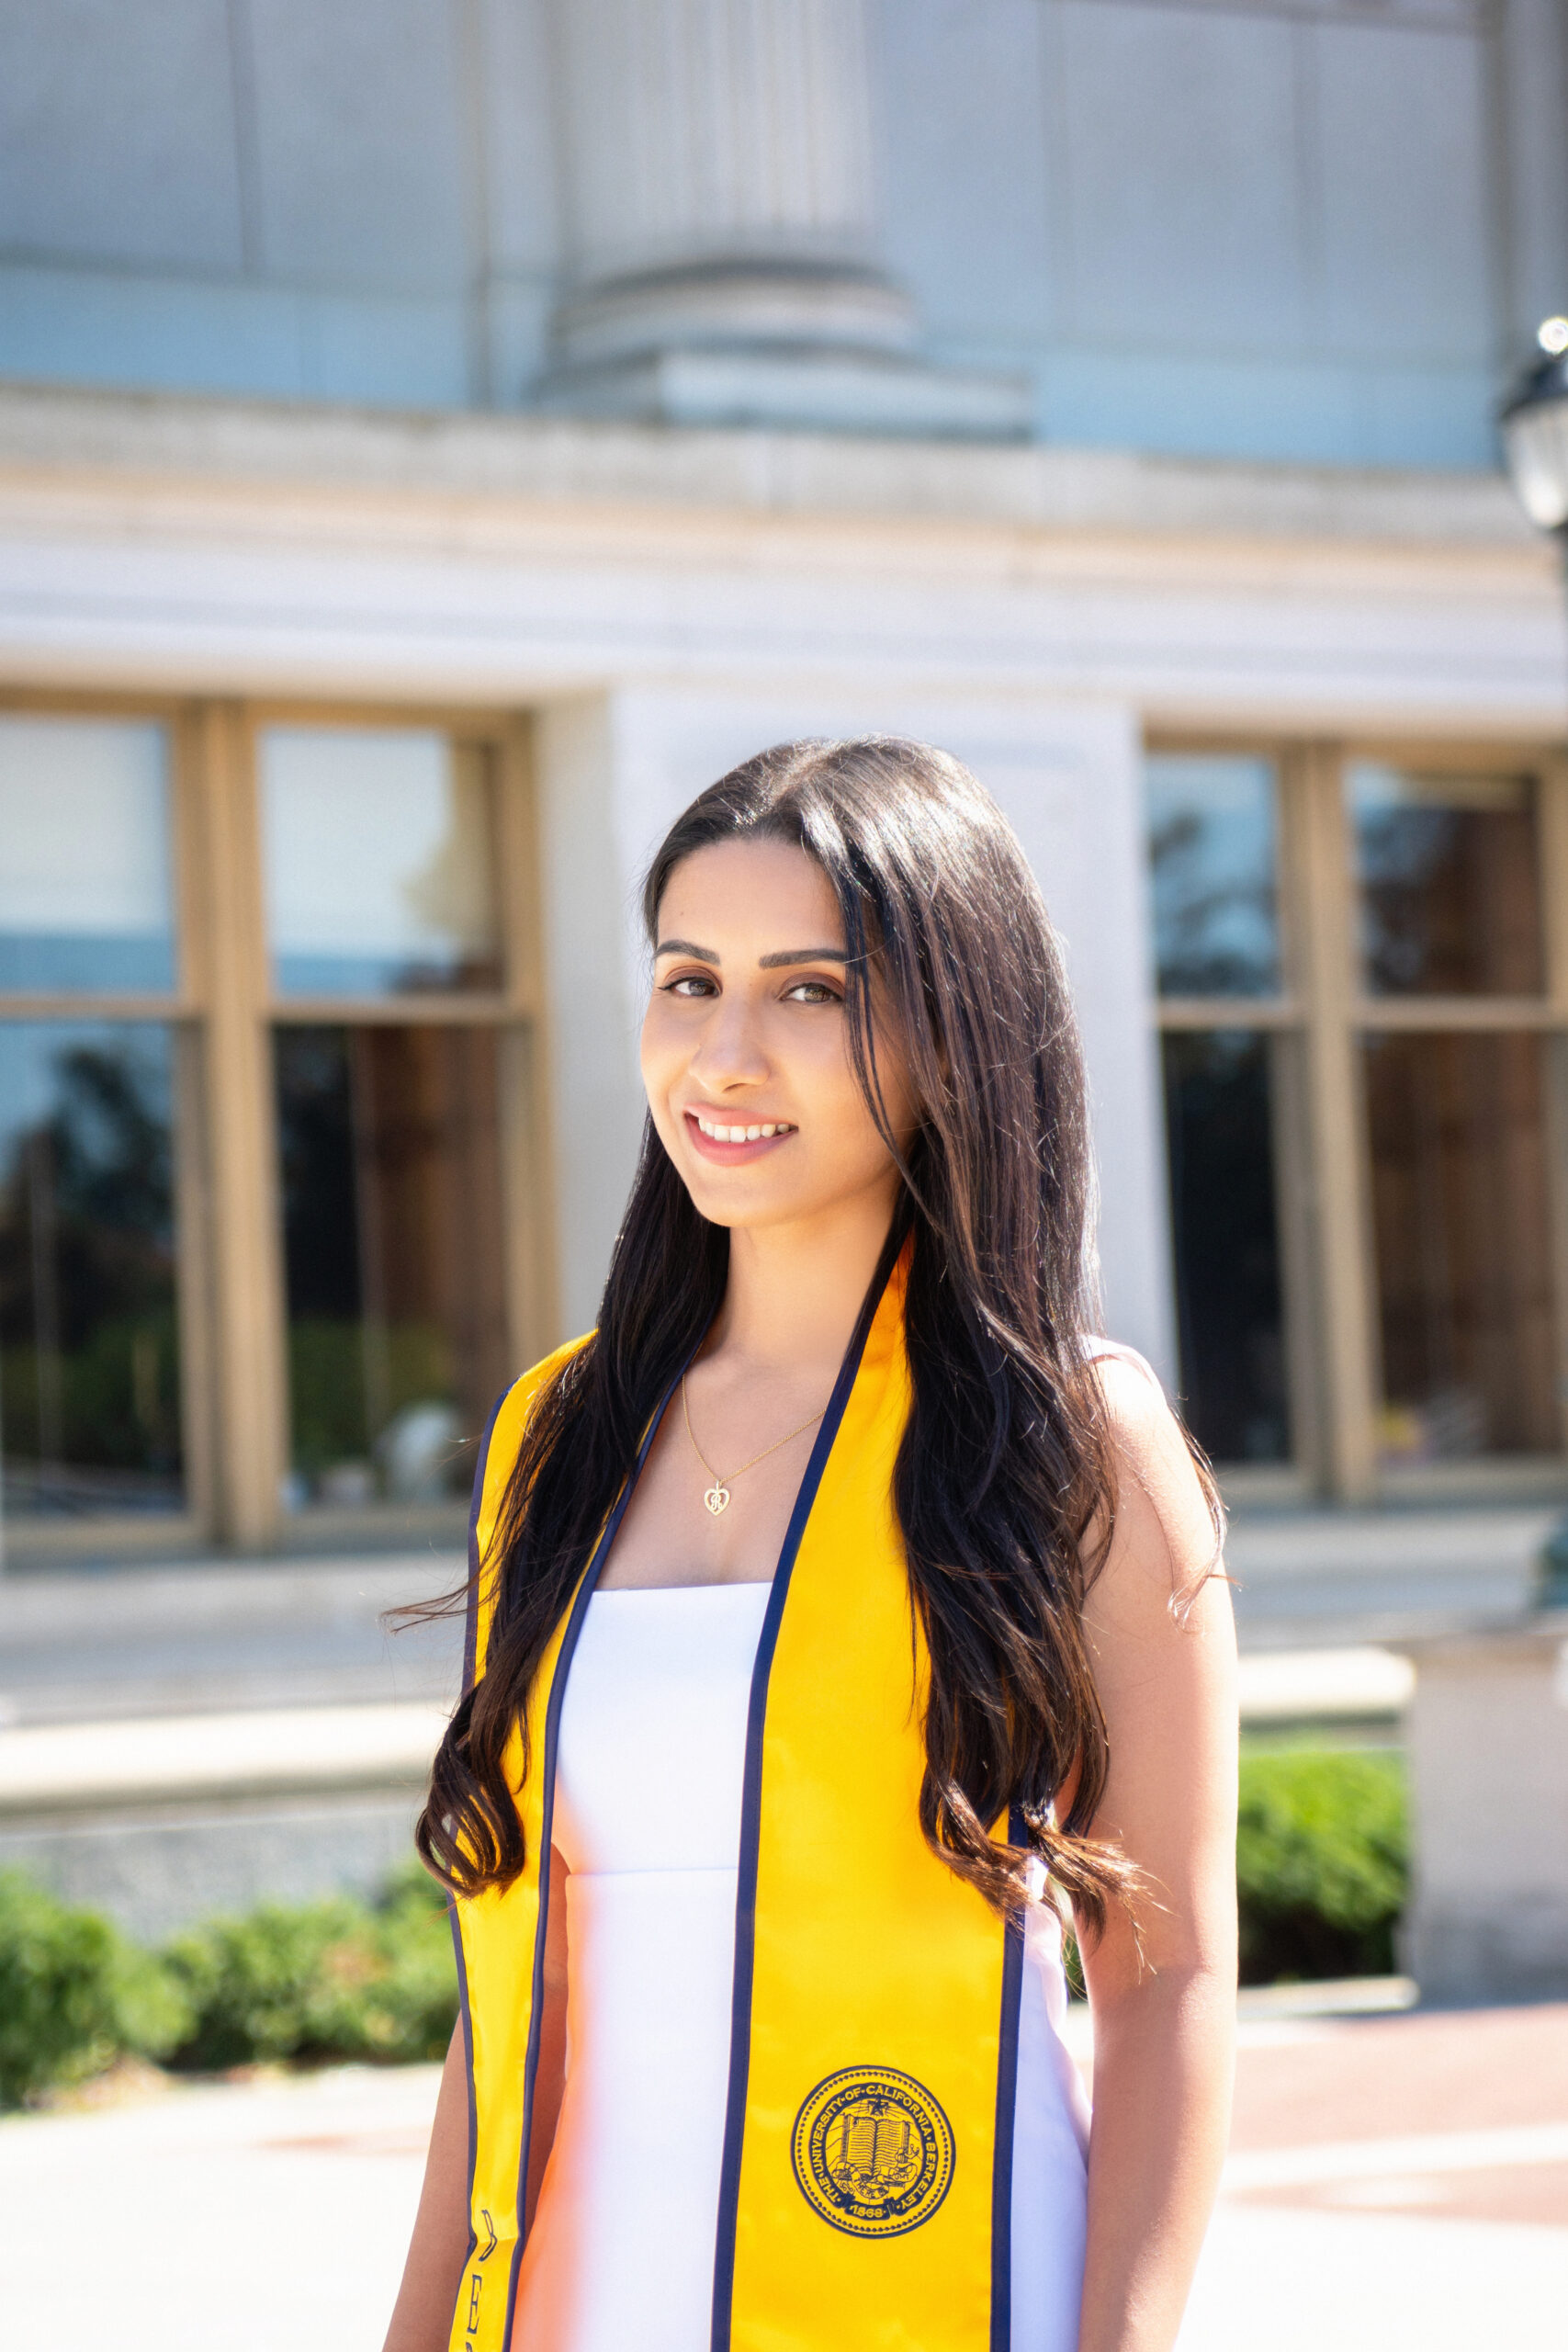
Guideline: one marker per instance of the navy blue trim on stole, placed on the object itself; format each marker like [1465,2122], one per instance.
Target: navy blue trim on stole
[552,1733]
[471,1612]
[466,2020]
[471,1657]
[751,1814]
[1006,2110]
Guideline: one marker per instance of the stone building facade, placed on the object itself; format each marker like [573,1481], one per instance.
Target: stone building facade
[436,437]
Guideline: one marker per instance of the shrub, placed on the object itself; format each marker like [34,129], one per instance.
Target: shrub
[419,1992]
[335,1979]
[72,1994]
[1322,1866]
[277,1983]
[1321,1871]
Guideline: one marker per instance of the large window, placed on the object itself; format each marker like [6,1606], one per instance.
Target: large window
[269,1242]
[382,886]
[1363,1034]
[380,862]
[87,897]
[393,1237]
[91,1417]
[1213,826]
[89,1347]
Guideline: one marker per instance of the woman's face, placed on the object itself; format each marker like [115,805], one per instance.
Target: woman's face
[745,1046]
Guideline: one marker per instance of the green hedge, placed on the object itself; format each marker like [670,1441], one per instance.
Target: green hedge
[1321,1862]
[336,1979]
[74,1994]
[319,1980]
[1321,1873]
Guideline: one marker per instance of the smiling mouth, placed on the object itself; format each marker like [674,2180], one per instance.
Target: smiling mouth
[717,1131]
[725,1143]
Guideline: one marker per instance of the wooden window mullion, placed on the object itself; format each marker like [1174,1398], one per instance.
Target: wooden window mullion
[229,952]
[533,1312]
[1333,1206]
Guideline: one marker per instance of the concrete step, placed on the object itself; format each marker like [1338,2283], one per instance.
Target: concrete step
[62,1768]
[167,1818]
[77,1646]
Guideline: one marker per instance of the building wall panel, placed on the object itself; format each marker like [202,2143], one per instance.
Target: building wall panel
[359,143]
[965,192]
[1405,219]
[117,134]
[1186,206]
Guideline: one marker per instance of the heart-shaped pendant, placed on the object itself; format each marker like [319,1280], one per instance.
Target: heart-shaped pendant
[717,1498]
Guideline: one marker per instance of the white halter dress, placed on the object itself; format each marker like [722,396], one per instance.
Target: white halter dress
[647,1820]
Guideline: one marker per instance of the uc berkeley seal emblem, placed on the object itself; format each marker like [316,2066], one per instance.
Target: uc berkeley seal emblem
[872,2152]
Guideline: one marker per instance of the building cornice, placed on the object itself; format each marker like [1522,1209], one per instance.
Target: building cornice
[158,542]
[570,463]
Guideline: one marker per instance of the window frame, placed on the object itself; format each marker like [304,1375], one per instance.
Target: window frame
[222,1012]
[1320,1019]
[179,1011]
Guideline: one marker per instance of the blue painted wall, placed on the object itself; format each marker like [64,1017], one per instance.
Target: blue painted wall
[1270,231]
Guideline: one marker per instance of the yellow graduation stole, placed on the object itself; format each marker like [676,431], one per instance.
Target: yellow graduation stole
[866,2187]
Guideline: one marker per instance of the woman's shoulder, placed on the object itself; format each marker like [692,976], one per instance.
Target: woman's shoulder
[1097,1349]
[1167,1518]
[530,1385]
[1146,1433]
[510,1415]
[498,1453]
[1136,1405]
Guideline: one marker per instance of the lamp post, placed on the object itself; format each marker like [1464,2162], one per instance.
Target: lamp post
[1535,432]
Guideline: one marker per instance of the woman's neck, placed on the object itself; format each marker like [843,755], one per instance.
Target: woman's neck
[795,1291]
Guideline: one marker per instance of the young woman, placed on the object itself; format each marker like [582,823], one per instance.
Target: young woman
[841,1614]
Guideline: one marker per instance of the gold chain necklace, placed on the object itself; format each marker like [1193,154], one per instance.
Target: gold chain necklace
[717,1496]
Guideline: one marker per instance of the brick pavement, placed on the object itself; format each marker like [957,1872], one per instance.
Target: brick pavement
[1395,2181]
[1417,2089]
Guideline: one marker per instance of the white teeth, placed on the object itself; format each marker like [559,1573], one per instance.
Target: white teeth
[742,1135]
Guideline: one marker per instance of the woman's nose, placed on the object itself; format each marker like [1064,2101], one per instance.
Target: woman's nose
[730,1052]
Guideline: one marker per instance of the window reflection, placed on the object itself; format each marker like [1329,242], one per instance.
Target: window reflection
[1449,896]
[1211,822]
[1463,1228]
[1219,1130]
[392,1245]
[380,862]
[89,1359]
[86,904]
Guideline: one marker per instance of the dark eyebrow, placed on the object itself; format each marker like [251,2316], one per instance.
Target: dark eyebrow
[776,962]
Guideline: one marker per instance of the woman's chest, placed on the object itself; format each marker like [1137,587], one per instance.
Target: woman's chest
[719,1520]
[653,1748]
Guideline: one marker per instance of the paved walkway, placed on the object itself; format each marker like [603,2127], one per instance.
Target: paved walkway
[1395,2181]
[268,2219]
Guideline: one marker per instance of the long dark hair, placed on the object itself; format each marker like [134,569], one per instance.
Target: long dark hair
[1004,1483]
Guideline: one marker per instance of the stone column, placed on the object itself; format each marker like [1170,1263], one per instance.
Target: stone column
[718,195]
[1488,1749]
